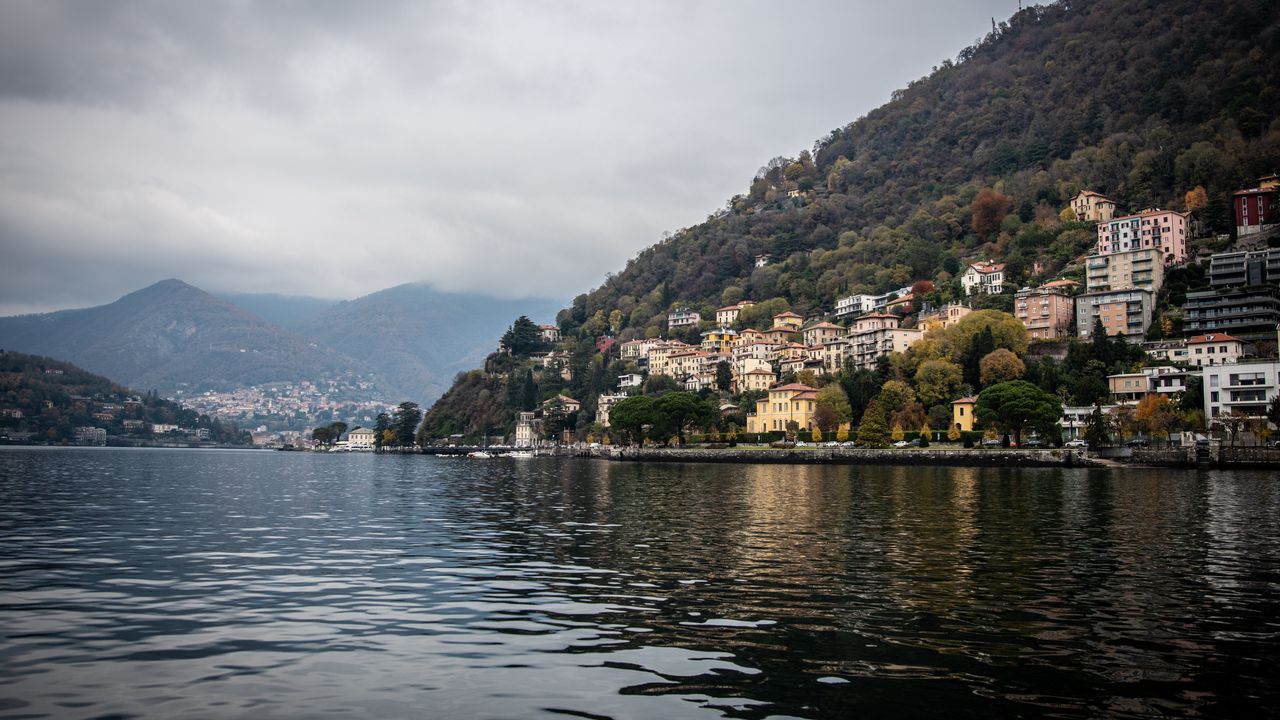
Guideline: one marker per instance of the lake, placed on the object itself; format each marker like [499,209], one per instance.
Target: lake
[234,584]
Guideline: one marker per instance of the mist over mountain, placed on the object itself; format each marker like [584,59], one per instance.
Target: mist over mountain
[172,336]
[417,337]
[288,311]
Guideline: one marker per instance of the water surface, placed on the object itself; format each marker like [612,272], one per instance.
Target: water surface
[223,584]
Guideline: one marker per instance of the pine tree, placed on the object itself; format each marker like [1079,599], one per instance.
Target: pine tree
[873,430]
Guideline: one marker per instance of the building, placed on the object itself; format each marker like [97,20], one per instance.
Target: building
[1169,351]
[1123,312]
[822,332]
[1076,418]
[682,317]
[361,438]
[944,317]
[638,350]
[1249,313]
[1128,388]
[1255,209]
[569,404]
[785,404]
[550,333]
[1214,349]
[1090,206]
[901,304]
[983,277]
[788,320]
[757,379]
[866,348]
[1135,268]
[1242,269]
[604,404]
[1165,230]
[762,259]
[1045,311]
[719,340]
[1245,388]
[91,436]
[630,380]
[874,321]
[854,305]
[962,413]
[728,315]
[526,430]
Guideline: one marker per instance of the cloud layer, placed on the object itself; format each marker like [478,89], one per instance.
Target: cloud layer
[337,148]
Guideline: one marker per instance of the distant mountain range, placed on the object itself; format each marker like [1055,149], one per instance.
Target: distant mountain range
[407,341]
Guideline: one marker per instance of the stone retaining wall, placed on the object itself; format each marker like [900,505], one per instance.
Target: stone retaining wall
[854,456]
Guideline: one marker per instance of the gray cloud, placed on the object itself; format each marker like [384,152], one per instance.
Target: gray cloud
[336,148]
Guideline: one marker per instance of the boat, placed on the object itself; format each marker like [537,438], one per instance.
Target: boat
[479,454]
[519,454]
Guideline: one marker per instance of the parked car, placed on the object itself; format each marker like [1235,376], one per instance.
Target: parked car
[991,442]
[1077,443]
[1033,443]
[900,444]
[1137,442]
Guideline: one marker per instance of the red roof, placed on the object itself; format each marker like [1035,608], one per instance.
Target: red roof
[987,267]
[789,314]
[1212,338]
[798,387]
[969,399]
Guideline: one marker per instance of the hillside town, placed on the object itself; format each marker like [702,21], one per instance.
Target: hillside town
[1212,353]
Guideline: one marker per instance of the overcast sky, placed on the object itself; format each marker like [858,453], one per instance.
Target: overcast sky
[338,148]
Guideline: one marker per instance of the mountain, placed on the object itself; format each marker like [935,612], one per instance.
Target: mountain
[288,311]
[45,400]
[1143,101]
[172,335]
[417,338]
[1166,103]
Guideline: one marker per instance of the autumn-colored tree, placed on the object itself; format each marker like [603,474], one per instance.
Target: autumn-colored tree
[1196,199]
[842,434]
[988,210]
[953,433]
[1067,215]
[999,366]
[898,433]
[816,435]
[873,430]
[921,287]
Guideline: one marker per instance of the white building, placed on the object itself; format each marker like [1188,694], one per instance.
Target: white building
[360,438]
[1246,386]
[526,431]
[984,277]
[604,404]
[1214,349]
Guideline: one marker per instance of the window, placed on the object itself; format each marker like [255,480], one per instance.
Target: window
[1213,381]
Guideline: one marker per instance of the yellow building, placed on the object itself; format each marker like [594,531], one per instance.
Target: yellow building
[758,379]
[962,413]
[788,320]
[719,340]
[785,404]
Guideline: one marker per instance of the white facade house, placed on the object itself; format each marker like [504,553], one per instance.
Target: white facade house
[1214,349]
[361,438]
[526,432]
[1246,387]
[983,277]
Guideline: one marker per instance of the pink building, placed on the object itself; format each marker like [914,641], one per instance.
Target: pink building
[1046,311]
[1163,229]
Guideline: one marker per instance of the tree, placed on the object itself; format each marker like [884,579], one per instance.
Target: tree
[1233,422]
[988,210]
[894,396]
[938,381]
[405,421]
[816,435]
[833,404]
[554,415]
[522,338]
[925,433]
[999,366]
[380,427]
[898,434]
[631,416]
[724,376]
[1196,199]
[1015,405]
[953,433]
[873,429]
[1273,411]
[842,435]
[674,411]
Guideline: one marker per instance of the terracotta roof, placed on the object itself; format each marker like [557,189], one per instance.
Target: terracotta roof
[1212,338]
[969,399]
[825,326]
[1095,194]
[799,387]
[987,267]
[759,371]
[789,314]
[876,315]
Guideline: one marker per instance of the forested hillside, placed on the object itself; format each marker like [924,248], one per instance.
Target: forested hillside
[1154,103]
[47,400]
[1142,101]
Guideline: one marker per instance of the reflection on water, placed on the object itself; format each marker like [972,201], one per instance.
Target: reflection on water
[240,584]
